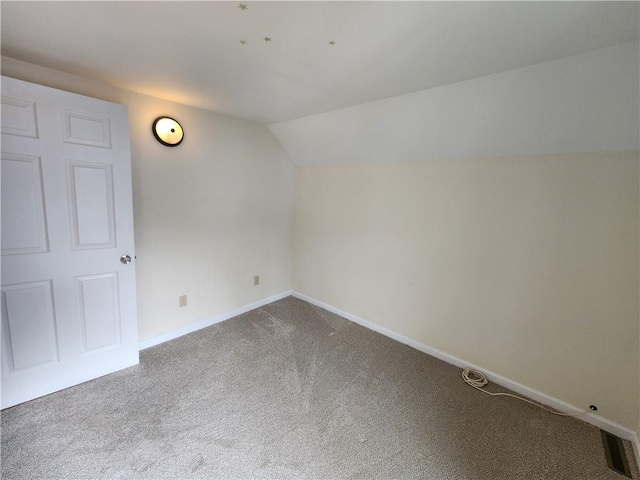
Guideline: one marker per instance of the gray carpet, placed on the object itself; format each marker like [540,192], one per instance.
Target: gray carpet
[291,391]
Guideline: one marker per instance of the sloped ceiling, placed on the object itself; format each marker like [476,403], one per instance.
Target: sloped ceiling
[583,103]
[277,61]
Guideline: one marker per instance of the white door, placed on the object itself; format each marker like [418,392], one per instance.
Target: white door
[68,303]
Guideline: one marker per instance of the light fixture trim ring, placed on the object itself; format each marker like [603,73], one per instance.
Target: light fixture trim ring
[169,133]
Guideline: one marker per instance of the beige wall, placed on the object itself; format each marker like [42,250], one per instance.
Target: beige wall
[526,266]
[208,214]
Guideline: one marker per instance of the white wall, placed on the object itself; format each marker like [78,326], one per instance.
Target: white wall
[527,266]
[209,214]
[583,103]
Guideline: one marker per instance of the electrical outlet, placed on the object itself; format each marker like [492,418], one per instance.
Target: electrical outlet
[182,301]
[256,280]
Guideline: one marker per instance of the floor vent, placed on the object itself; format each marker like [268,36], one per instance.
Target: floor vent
[616,456]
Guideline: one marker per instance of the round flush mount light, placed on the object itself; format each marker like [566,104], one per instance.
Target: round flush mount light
[167,131]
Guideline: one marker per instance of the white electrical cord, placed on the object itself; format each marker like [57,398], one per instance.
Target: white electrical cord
[478,380]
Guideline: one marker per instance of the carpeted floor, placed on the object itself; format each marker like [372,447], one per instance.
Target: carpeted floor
[292,391]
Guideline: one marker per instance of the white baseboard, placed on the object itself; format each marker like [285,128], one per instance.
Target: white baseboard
[152,342]
[596,420]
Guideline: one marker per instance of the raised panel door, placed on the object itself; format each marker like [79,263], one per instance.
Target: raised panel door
[68,303]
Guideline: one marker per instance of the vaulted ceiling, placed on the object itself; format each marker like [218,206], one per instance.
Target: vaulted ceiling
[276,61]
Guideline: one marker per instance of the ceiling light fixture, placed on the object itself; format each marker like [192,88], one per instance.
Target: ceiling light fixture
[167,131]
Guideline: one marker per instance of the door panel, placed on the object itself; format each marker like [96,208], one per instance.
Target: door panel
[29,308]
[99,310]
[24,228]
[91,202]
[68,304]
[19,118]
[84,129]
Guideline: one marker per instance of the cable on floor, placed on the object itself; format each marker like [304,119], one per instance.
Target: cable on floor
[478,380]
